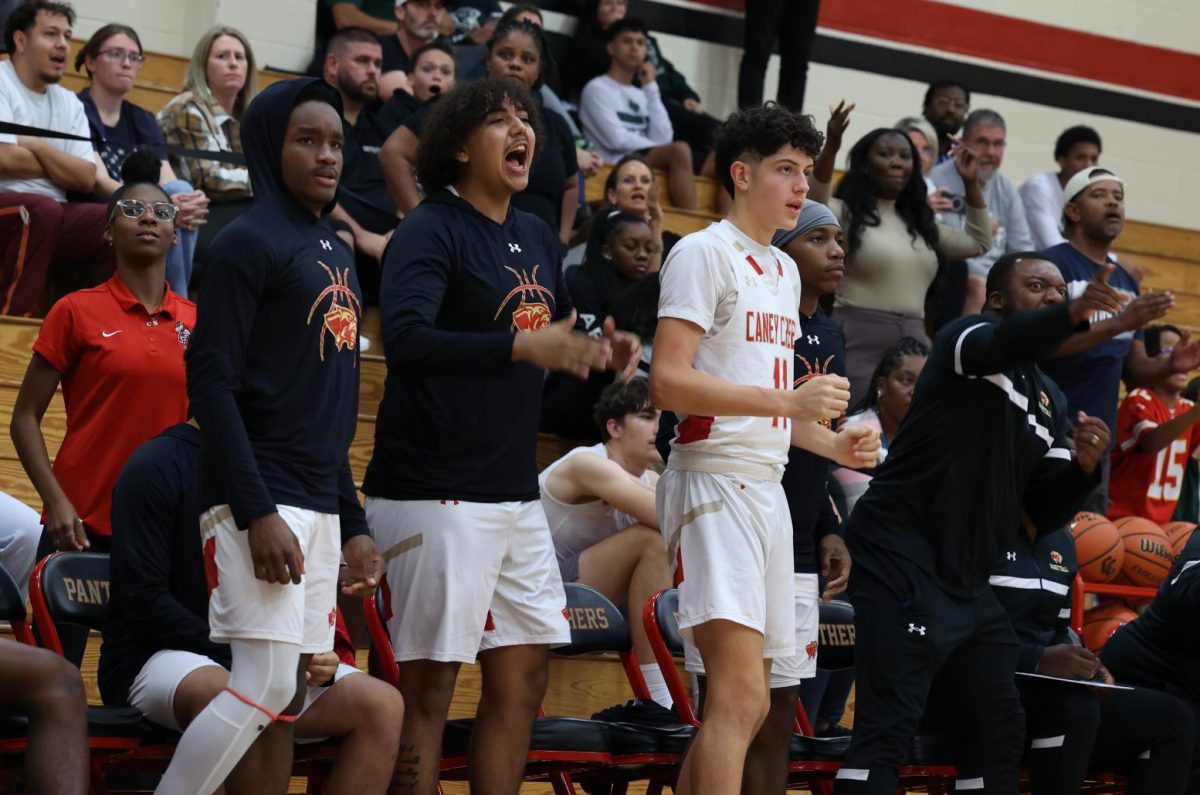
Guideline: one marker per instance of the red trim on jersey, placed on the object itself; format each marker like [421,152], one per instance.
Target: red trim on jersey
[210,563]
[779,265]
[695,428]
[489,624]
[754,265]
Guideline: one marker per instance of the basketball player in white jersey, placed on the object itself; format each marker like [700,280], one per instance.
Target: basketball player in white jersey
[599,502]
[728,316]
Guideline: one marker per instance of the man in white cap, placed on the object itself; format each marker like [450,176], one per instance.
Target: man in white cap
[1091,364]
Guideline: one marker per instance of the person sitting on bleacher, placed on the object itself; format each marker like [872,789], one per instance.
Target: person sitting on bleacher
[377,16]
[1157,435]
[157,655]
[599,503]
[1076,149]
[37,173]
[112,58]
[620,281]
[117,349]
[631,188]
[419,22]
[48,690]
[622,112]
[398,155]
[364,211]
[220,82]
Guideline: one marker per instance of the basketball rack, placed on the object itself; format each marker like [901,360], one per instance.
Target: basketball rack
[1081,589]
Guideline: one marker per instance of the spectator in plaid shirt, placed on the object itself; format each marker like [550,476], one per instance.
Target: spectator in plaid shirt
[220,82]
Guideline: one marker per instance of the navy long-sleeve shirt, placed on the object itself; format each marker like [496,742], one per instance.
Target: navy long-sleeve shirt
[820,350]
[1033,583]
[158,597]
[459,418]
[985,438]
[273,362]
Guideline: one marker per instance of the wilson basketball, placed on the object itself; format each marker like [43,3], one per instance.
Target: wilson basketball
[1098,547]
[1102,621]
[1148,555]
[1178,533]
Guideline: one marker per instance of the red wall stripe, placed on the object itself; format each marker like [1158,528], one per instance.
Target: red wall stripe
[1010,40]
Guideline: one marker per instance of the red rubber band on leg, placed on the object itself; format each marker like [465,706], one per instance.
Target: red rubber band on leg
[261,708]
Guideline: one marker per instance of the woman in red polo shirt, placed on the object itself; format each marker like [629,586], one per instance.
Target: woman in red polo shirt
[117,349]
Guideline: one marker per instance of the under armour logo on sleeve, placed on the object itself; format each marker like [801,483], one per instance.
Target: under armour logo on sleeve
[915,630]
[513,248]
[1011,555]
[325,244]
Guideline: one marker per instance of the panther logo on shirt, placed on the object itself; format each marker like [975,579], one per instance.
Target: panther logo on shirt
[528,315]
[815,368]
[341,317]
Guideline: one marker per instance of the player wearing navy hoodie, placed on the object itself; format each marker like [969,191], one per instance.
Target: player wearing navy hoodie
[474,309]
[273,381]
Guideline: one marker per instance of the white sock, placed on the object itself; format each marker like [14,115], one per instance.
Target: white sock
[658,685]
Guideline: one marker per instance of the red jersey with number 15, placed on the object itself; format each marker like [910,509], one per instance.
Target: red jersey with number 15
[1148,484]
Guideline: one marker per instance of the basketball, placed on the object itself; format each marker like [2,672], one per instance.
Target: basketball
[1098,547]
[1178,533]
[1148,555]
[1102,621]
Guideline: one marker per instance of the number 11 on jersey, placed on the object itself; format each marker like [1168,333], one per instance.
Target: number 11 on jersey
[782,381]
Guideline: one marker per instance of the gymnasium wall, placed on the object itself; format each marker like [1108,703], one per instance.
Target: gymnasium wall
[1129,68]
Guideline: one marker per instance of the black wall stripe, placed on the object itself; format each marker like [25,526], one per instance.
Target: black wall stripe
[719,28]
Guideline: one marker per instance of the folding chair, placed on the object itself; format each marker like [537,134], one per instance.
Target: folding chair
[72,588]
[641,752]
[559,746]
[812,760]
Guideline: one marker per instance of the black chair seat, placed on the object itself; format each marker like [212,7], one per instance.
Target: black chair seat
[115,722]
[817,749]
[549,734]
[637,738]
[153,734]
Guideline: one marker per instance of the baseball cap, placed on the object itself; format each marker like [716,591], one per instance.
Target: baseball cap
[1088,176]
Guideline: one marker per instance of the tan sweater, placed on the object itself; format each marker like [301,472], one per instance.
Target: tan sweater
[892,272]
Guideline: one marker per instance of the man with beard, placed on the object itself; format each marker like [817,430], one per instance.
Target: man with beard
[1091,364]
[36,173]
[365,210]
[421,21]
[946,105]
[984,132]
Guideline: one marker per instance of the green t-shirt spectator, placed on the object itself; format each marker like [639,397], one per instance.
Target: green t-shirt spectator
[380,9]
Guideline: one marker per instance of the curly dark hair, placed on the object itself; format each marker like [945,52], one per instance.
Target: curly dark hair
[1080,134]
[861,195]
[905,346]
[618,400]
[760,132]
[24,17]
[456,115]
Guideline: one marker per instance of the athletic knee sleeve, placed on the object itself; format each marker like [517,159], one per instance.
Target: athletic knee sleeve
[264,676]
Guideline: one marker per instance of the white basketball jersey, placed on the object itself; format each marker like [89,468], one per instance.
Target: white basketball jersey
[575,528]
[746,297]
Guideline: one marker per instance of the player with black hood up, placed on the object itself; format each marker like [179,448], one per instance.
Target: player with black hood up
[273,381]
[986,439]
